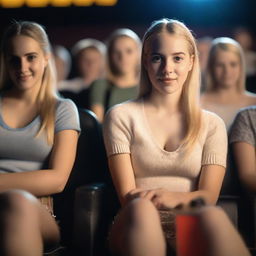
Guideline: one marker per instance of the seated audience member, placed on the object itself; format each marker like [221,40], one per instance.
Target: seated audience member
[89,60]
[62,60]
[225,90]
[246,39]
[39,133]
[243,142]
[123,51]
[163,149]
[203,46]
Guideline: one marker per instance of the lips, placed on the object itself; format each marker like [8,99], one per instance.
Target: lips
[166,79]
[23,77]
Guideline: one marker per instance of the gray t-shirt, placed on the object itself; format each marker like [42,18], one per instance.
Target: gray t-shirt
[21,150]
[244,126]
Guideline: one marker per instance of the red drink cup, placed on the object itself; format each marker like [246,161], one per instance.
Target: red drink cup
[190,240]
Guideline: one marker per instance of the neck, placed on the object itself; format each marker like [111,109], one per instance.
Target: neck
[226,95]
[27,96]
[169,103]
[228,91]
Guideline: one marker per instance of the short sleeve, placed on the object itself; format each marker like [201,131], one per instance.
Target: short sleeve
[242,129]
[215,146]
[67,117]
[116,132]
[97,92]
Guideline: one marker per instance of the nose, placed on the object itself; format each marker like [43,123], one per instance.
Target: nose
[227,69]
[23,65]
[168,66]
[120,56]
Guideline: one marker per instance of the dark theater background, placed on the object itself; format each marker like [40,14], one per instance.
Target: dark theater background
[81,19]
[66,25]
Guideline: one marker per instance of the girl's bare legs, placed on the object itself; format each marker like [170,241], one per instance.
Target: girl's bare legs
[25,225]
[223,238]
[137,231]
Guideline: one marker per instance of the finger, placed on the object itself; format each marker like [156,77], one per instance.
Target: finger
[134,191]
[150,194]
[157,203]
[143,194]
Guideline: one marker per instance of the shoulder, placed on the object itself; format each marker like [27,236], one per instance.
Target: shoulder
[210,116]
[101,83]
[98,89]
[63,104]
[243,127]
[247,112]
[67,117]
[212,120]
[124,112]
[66,108]
[250,98]
[124,108]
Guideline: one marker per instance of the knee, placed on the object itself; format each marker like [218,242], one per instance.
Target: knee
[212,216]
[142,211]
[17,202]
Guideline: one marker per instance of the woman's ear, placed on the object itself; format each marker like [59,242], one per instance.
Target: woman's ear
[46,58]
[192,58]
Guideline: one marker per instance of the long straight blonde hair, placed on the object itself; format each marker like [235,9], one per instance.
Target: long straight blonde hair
[228,45]
[47,96]
[191,88]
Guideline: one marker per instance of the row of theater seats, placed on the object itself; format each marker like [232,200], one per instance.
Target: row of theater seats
[85,209]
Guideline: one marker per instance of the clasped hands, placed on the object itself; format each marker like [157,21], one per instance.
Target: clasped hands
[161,198]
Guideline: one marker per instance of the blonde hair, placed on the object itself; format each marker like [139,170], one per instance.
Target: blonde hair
[191,88]
[229,45]
[47,96]
[119,33]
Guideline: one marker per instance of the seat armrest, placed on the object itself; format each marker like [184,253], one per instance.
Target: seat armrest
[248,215]
[87,217]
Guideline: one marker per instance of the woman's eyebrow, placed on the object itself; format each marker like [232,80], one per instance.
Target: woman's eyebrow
[175,53]
[26,54]
[178,53]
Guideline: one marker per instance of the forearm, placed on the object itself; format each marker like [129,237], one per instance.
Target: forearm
[245,160]
[164,199]
[249,182]
[98,110]
[39,183]
[208,196]
[178,198]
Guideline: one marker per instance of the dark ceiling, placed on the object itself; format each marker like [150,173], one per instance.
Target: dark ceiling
[205,15]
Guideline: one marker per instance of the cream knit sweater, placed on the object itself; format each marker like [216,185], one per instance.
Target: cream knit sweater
[126,131]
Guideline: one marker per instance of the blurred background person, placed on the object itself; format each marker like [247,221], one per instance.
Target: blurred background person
[203,46]
[246,39]
[243,141]
[89,61]
[225,90]
[63,62]
[121,83]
